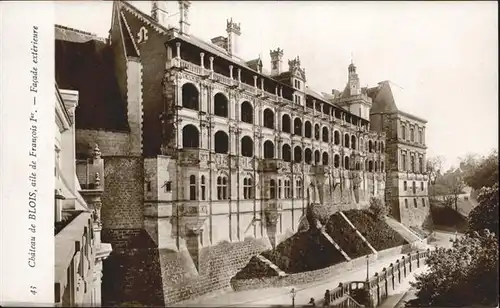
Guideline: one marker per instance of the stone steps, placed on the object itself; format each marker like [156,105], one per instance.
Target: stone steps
[330,239]
[358,233]
[272,265]
[405,232]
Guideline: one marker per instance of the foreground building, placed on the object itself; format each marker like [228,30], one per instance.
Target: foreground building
[209,159]
[78,249]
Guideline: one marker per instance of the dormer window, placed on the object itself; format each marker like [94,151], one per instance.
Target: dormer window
[297,84]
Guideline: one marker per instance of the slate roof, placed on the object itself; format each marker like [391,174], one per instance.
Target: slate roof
[84,62]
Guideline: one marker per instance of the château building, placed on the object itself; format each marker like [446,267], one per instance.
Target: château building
[77,227]
[209,159]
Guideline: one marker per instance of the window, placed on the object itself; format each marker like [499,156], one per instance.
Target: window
[192,187]
[420,165]
[414,187]
[422,186]
[272,189]
[222,188]
[288,189]
[420,137]
[412,164]
[279,188]
[423,202]
[168,186]
[412,135]
[403,161]
[406,203]
[247,188]
[403,132]
[203,188]
[148,185]
[415,203]
[405,186]
[298,189]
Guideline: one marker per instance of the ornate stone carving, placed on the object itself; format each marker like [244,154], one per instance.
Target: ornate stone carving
[96,153]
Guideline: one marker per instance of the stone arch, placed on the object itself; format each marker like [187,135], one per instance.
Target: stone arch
[221,105]
[285,123]
[268,118]
[370,166]
[336,160]
[346,162]
[297,127]
[190,96]
[221,142]
[286,152]
[308,129]
[268,149]
[308,156]
[325,159]
[361,144]
[353,142]
[317,157]
[190,136]
[346,140]
[247,146]
[316,132]
[297,154]
[370,146]
[325,134]
[336,137]
[246,112]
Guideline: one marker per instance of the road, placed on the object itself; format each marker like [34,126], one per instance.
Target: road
[282,296]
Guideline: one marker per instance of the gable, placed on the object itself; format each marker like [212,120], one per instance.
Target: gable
[383,99]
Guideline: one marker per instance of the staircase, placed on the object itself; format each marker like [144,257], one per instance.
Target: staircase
[271,265]
[405,232]
[330,239]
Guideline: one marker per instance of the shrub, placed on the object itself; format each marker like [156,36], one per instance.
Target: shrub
[376,231]
[463,276]
[446,216]
[377,207]
[345,236]
[316,212]
[306,251]
[255,269]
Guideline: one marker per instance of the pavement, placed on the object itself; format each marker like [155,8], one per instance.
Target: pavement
[282,295]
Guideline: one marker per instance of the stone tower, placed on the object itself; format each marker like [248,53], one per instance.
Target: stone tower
[184,16]
[276,61]
[159,12]
[233,33]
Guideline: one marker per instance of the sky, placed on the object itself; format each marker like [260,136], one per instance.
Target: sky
[442,55]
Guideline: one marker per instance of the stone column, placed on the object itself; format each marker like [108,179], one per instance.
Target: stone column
[239,74]
[211,59]
[231,71]
[202,55]
[255,81]
[178,46]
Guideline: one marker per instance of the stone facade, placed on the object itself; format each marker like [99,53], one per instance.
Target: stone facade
[220,160]
[405,156]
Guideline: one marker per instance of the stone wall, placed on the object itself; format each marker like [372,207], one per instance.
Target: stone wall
[311,276]
[110,143]
[159,277]
[123,196]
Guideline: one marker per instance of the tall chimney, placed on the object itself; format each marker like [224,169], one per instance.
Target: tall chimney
[159,12]
[184,16]
[233,33]
[276,61]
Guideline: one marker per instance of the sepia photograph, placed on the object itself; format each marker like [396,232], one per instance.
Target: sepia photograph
[261,154]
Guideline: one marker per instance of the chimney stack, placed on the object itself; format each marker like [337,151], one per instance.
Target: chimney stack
[276,61]
[233,33]
[159,12]
[184,16]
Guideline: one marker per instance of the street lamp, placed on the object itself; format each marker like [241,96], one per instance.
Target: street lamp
[293,292]
[367,267]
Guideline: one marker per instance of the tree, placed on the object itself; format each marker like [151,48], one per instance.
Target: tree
[377,207]
[434,166]
[479,173]
[464,275]
[454,181]
[485,215]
